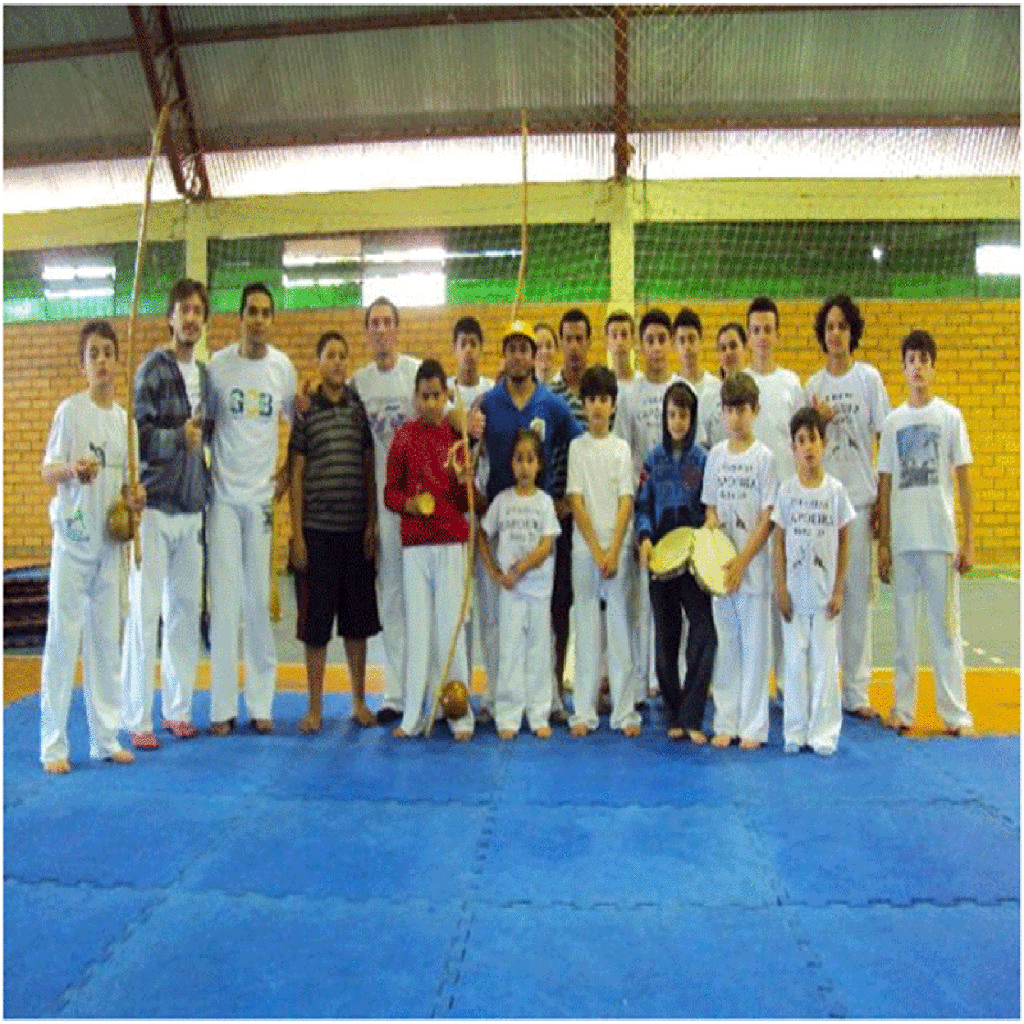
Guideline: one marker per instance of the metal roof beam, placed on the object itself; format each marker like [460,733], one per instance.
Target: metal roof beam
[165,80]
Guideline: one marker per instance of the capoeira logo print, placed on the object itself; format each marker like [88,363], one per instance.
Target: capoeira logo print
[99,454]
[74,528]
[917,447]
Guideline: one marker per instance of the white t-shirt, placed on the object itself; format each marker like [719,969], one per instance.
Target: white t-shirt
[190,375]
[601,470]
[920,448]
[710,418]
[250,398]
[470,393]
[741,487]
[780,396]
[638,419]
[78,512]
[812,518]
[859,404]
[388,398]
[521,522]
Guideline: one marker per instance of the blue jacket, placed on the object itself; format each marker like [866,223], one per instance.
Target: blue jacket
[668,495]
[545,412]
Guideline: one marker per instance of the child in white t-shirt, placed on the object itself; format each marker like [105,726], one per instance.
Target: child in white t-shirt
[523,520]
[853,403]
[739,491]
[600,492]
[86,461]
[924,443]
[812,516]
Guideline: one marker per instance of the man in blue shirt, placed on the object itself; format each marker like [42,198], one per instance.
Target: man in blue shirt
[517,401]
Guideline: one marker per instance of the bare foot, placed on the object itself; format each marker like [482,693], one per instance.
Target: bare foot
[120,757]
[632,731]
[399,733]
[262,725]
[463,736]
[507,734]
[892,722]
[579,729]
[966,731]
[363,715]
[675,733]
[310,723]
[697,738]
[721,740]
[750,744]
[543,733]
[58,767]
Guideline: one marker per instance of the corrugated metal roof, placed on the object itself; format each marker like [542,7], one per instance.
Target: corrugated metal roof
[695,67]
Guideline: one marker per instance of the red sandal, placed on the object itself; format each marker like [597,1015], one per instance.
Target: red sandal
[144,741]
[181,730]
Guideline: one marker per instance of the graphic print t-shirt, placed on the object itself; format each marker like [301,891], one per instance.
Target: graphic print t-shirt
[250,396]
[812,518]
[387,398]
[741,487]
[859,406]
[920,448]
[521,522]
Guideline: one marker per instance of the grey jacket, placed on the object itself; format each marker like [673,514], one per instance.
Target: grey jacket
[176,479]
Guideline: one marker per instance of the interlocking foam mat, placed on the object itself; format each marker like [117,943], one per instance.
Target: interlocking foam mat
[354,875]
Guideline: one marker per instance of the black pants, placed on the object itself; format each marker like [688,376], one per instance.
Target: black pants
[684,707]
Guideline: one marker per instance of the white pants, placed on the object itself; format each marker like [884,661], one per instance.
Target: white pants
[84,608]
[913,572]
[811,709]
[239,568]
[524,679]
[855,618]
[776,648]
[433,576]
[487,599]
[169,579]
[641,627]
[391,605]
[588,590]
[741,665]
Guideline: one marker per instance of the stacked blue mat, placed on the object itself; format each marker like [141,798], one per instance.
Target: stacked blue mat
[353,875]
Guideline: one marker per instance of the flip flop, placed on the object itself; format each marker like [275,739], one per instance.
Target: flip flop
[180,729]
[144,741]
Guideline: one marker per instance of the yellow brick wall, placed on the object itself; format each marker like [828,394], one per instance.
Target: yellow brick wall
[978,371]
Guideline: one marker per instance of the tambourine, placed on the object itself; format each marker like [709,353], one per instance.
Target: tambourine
[712,549]
[671,555]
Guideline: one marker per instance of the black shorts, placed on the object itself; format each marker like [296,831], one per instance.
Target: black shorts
[561,592]
[338,582]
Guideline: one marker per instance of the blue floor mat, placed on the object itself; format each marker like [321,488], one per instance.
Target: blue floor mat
[919,961]
[226,956]
[602,877]
[53,933]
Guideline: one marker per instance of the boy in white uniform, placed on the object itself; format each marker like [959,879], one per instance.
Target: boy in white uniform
[86,460]
[638,421]
[924,442]
[853,403]
[812,517]
[781,394]
[739,491]
[523,519]
[386,388]
[254,387]
[599,487]
[172,397]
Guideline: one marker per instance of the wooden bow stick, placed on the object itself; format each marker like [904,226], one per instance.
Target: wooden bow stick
[467,581]
[140,256]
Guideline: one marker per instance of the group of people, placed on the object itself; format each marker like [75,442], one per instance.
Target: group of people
[571,479]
